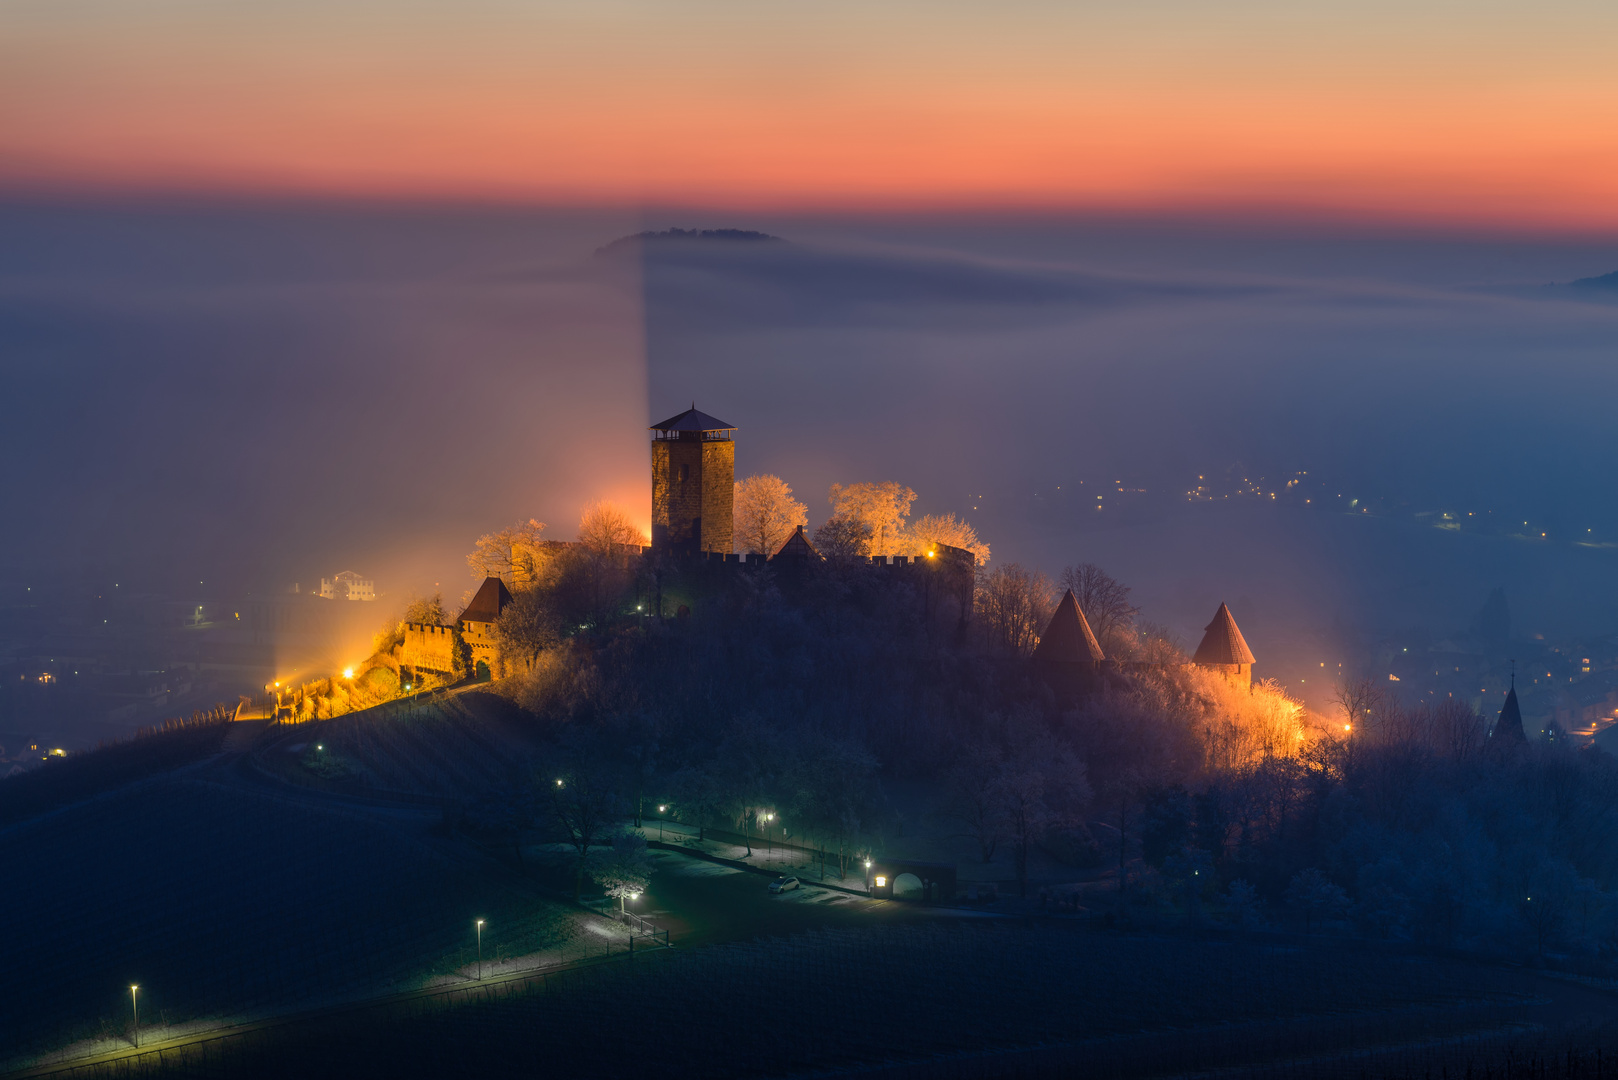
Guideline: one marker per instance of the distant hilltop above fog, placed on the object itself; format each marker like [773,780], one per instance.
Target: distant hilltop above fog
[689,234]
[1603,283]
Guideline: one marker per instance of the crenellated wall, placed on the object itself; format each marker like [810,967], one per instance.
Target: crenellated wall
[428,648]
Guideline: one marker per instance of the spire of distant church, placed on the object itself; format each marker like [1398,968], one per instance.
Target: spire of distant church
[1508,729]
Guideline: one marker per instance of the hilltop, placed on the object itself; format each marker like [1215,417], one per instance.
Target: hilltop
[663,235]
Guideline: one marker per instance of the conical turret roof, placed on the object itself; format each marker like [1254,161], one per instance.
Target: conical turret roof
[491,599]
[1068,639]
[1509,727]
[1222,642]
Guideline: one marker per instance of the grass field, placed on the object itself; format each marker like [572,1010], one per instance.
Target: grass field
[985,1000]
[226,903]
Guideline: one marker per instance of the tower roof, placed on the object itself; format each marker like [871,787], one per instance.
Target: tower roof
[491,599]
[796,547]
[1222,642]
[1509,727]
[1068,639]
[692,420]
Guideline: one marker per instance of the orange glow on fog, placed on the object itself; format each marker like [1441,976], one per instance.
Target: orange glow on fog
[1364,109]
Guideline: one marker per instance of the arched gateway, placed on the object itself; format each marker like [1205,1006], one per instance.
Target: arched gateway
[937,879]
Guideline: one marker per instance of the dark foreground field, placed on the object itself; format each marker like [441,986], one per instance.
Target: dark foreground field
[979,1000]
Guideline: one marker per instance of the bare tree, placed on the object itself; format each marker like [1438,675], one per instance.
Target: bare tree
[882,507]
[605,528]
[516,554]
[595,576]
[766,514]
[946,529]
[1104,601]
[840,539]
[1360,699]
[974,801]
[584,801]
[529,625]
[1015,603]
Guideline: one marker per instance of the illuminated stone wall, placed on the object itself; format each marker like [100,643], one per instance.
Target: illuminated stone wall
[693,493]
[428,648]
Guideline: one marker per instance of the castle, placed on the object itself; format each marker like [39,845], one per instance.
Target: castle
[693,510]
[693,516]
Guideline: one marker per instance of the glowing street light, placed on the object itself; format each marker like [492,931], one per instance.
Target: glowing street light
[480,950]
[134,1001]
[661,810]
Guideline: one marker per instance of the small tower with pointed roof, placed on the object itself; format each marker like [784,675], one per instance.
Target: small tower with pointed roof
[1508,728]
[1068,656]
[1224,649]
[476,625]
[693,483]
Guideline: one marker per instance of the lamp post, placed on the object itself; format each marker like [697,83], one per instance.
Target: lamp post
[480,950]
[134,1001]
[867,876]
[660,812]
[769,834]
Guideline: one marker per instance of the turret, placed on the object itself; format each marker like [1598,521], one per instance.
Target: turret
[1224,649]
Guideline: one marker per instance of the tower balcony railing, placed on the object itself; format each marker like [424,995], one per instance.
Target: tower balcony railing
[720,435]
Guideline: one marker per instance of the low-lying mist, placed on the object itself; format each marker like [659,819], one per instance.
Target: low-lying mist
[1274,417]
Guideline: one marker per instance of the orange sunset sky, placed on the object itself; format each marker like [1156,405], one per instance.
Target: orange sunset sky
[1504,113]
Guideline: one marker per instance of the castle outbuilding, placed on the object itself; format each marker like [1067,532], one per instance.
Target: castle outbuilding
[1224,649]
[693,483]
[477,625]
[431,649]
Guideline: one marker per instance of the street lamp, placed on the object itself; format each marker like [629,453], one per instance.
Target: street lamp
[480,950]
[134,1001]
[660,812]
[867,875]
[769,834]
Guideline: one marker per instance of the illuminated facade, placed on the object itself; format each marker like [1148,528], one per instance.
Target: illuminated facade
[693,483]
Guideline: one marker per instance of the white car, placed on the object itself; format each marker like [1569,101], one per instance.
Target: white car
[784,884]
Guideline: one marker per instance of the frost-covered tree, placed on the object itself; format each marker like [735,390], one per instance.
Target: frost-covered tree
[945,529]
[516,554]
[623,869]
[766,514]
[882,507]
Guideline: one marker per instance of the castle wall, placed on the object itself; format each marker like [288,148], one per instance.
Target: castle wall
[428,648]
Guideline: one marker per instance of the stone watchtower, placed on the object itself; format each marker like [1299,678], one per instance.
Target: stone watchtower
[693,483]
